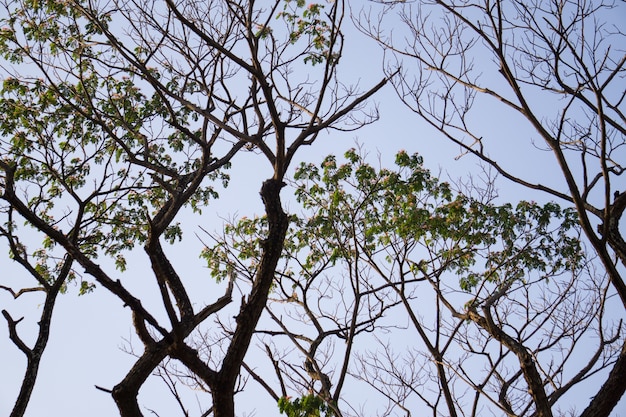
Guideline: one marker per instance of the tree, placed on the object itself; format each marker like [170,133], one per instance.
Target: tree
[122,120]
[121,117]
[432,297]
[558,67]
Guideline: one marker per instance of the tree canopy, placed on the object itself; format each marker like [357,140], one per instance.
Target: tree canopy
[433,298]
[368,290]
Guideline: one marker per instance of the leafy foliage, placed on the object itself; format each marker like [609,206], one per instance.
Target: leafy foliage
[308,22]
[62,136]
[356,210]
[354,202]
[368,238]
[307,406]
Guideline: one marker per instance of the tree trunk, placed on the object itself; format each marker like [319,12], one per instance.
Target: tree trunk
[611,391]
[223,391]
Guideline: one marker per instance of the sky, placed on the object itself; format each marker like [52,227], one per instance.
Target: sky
[90,334]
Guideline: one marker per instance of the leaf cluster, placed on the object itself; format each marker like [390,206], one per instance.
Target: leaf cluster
[95,152]
[354,202]
[354,210]
[308,22]
[310,405]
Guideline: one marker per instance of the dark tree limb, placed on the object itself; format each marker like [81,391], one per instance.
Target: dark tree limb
[610,393]
[278,221]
